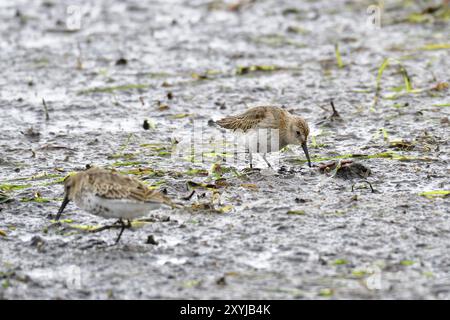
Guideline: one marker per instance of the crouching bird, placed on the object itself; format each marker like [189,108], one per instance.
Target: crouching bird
[109,194]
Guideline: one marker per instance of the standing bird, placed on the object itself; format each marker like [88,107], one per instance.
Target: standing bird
[111,195]
[291,130]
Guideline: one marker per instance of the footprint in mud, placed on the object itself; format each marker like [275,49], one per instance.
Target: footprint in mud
[353,171]
[94,243]
[346,169]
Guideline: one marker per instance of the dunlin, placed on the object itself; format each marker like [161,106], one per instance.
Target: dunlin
[111,195]
[273,122]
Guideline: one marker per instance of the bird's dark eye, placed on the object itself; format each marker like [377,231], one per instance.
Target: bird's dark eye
[298,133]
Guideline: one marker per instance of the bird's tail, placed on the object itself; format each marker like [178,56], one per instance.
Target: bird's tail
[227,123]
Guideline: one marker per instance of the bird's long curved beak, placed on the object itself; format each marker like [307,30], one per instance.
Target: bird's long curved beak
[305,150]
[63,205]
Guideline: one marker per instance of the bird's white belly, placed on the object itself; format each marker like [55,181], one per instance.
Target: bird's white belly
[115,208]
[261,140]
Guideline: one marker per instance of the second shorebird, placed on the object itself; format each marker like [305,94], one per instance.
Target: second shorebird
[111,195]
[290,129]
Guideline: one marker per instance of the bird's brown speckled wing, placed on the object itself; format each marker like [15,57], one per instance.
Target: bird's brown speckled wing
[262,117]
[113,185]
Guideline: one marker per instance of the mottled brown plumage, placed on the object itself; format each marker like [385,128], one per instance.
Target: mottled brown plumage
[111,195]
[112,185]
[249,119]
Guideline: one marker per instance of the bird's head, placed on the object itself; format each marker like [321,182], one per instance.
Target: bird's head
[72,184]
[298,134]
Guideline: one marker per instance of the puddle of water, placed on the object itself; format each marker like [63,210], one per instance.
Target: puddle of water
[164,259]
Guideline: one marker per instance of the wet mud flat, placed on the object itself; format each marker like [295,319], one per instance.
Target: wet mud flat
[73,94]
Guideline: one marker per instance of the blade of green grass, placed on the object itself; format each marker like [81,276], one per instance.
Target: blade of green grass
[114,88]
[435,194]
[338,56]
[383,66]
[442,105]
[435,46]
[407,79]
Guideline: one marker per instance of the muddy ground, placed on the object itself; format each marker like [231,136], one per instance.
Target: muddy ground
[291,233]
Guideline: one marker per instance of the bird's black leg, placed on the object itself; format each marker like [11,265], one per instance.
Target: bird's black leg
[264,157]
[251,159]
[121,231]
